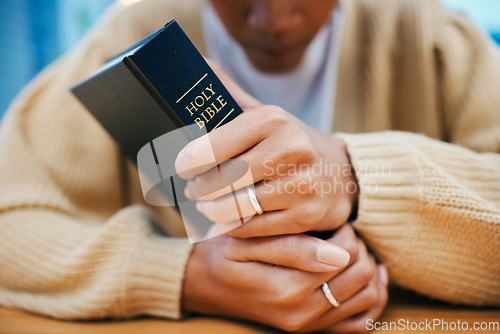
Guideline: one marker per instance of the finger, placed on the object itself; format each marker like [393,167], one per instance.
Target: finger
[346,238]
[243,99]
[229,176]
[366,299]
[266,160]
[293,251]
[343,285]
[287,220]
[271,223]
[359,323]
[195,158]
[224,210]
[352,280]
[293,219]
[213,183]
[237,172]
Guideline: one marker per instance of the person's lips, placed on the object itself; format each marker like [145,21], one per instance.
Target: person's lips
[279,51]
[275,54]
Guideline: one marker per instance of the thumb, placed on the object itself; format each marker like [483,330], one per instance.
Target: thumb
[293,251]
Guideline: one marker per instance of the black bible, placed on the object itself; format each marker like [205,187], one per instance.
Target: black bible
[160,84]
[145,97]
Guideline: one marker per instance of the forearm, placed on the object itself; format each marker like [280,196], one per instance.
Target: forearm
[430,211]
[70,269]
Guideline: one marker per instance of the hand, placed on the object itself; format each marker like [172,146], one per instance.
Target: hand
[277,281]
[303,178]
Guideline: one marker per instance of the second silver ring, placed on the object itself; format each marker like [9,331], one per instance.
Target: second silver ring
[329,295]
[254,201]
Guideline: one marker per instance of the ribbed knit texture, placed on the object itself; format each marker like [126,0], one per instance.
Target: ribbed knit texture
[73,269]
[79,242]
[430,211]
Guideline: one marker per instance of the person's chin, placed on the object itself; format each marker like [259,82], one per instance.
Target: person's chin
[275,61]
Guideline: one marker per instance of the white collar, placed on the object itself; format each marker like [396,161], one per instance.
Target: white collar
[307,91]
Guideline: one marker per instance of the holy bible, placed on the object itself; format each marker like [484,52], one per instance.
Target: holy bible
[153,99]
[160,84]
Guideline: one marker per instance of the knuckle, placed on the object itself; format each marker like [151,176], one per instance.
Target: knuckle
[277,116]
[347,232]
[301,152]
[304,150]
[272,118]
[287,296]
[363,255]
[360,326]
[305,217]
[220,213]
[351,246]
[197,185]
[232,245]
[310,215]
[366,273]
[372,297]
[291,322]
[193,155]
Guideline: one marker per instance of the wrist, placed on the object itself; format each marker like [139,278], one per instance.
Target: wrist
[188,298]
[354,196]
[351,187]
[196,298]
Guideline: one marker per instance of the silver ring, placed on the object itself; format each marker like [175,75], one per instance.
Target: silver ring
[254,201]
[329,295]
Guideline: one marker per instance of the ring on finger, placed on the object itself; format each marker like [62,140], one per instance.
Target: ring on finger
[254,201]
[329,295]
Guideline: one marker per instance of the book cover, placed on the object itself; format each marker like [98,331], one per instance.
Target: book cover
[160,84]
[153,99]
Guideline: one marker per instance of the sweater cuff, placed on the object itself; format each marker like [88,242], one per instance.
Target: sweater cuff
[389,196]
[155,277]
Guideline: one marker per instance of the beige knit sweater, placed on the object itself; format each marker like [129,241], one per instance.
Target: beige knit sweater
[77,240]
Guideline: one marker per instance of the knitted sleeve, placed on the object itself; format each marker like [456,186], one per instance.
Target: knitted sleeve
[431,212]
[429,209]
[71,245]
[68,268]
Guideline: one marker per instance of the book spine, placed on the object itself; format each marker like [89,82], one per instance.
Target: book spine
[186,82]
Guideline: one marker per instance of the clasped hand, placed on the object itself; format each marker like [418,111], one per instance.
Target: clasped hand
[277,281]
[266,270]
[303,177]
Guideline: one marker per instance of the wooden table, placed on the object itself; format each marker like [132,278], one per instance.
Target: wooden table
[403,305]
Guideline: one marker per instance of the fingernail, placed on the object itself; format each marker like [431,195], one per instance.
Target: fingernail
[199,206]
[332,255]
[384,275]
[181,162]
[187,191]
[202,206]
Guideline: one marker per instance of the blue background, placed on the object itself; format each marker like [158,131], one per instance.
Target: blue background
[35,32]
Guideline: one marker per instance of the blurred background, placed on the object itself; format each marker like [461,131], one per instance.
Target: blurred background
[33,33]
